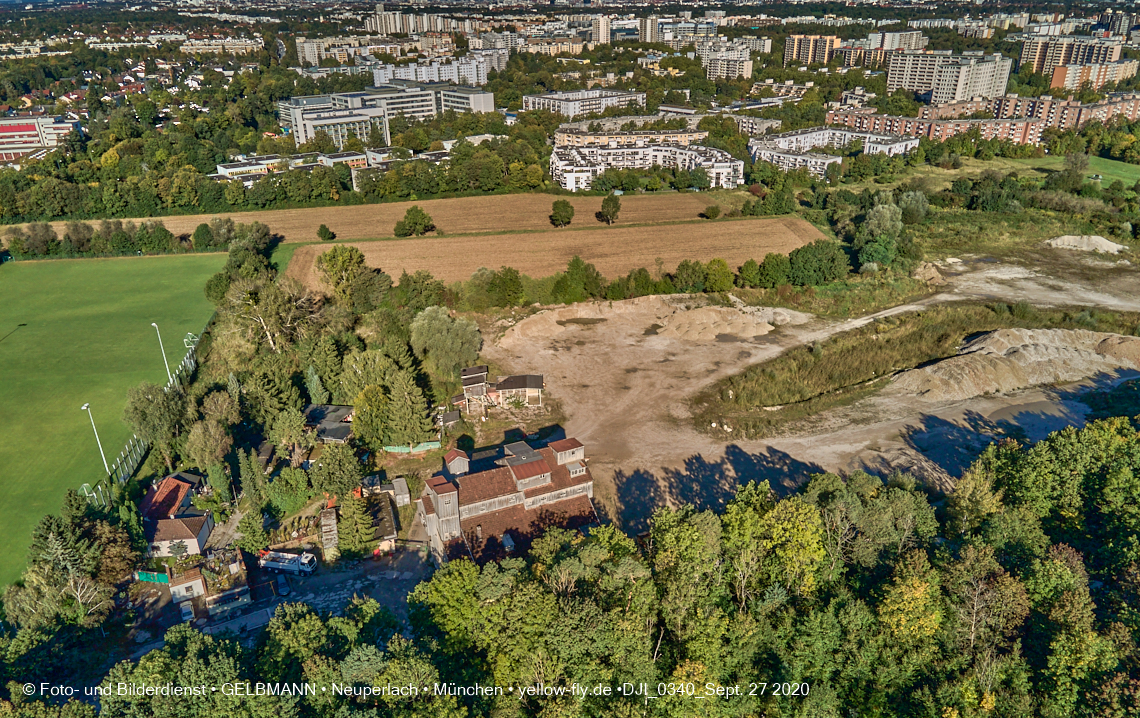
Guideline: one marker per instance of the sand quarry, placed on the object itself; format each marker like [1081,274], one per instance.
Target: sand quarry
[624,371]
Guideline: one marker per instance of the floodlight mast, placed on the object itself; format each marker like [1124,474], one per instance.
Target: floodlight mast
[87,407]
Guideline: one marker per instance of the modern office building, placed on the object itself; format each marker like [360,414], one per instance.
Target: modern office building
[583,102]
[942,77]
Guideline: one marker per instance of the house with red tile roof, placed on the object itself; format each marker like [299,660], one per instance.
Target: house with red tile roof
[488,505]
[169,517]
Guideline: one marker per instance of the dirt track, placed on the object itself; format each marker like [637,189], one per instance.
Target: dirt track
[625,391]
[494,213]
[613,250]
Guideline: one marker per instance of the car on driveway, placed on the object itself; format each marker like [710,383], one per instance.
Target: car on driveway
[187,611]
[282,586]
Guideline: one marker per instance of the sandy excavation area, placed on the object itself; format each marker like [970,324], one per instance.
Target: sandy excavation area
[613,250]
[624,377]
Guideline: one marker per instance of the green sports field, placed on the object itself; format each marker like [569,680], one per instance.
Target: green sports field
[88,339]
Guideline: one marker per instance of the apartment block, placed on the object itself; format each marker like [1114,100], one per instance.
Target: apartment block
[809,49]
[793,150]
[1072,77]
[1046,54]
[1061,114]
[574,168]
[1018,131]
[346,114]
[718,67]
[600,31]
[649,29]
[568,136]
[583,102]
[942,77]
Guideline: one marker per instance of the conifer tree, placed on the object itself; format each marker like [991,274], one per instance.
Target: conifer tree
[408,420]
[354,530]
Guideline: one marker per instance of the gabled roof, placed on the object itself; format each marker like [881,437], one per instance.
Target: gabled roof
[164,500]
[565,445]
[530,469]
[455,454]
[522,381]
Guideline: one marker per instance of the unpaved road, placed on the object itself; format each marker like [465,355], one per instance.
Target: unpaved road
[625,389]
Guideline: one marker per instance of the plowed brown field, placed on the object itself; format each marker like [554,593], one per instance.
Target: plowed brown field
[462,215]
[613,250]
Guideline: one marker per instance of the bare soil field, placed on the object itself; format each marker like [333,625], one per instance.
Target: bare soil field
[613,250]
[461,215]
[624,381]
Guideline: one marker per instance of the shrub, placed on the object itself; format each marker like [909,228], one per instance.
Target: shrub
[203,237]
[818,263]
[415,223]
[325,234]
[749,274]
[718,277]
[711,212]
[690,277]
[774,271]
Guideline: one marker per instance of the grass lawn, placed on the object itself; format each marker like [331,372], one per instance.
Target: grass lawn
[88,339]
[1110,170]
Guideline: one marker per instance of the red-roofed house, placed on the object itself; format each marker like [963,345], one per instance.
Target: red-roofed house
[507,501]
[169,517]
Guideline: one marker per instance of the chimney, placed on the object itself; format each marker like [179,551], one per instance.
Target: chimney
[479,532]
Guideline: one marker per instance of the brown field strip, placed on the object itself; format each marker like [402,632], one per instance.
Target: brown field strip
[614,250]
[462,215]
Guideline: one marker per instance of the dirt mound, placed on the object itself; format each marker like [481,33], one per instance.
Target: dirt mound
[708,324]
[1010,359]
[928,273]
[673,316]
[1086,243]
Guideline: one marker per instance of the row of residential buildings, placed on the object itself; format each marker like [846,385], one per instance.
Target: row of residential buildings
[793,150]
[347,114]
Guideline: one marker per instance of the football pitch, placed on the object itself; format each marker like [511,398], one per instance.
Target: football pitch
[73,332]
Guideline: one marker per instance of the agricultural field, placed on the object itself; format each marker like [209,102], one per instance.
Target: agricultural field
[86,338]
[613,250]
[463,215]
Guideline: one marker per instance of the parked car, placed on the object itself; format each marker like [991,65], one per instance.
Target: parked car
[187,610]
[282,586]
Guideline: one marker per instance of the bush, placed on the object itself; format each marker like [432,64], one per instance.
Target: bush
[690,277]
[718,277]
[325,234]
[711,212]
[203,237]
[749,274]
[774,271]
[415,223]
[818,263]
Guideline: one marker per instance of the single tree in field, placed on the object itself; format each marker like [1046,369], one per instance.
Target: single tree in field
[611,207]
[325,234]
[561,213]
[711,212]
[415,223]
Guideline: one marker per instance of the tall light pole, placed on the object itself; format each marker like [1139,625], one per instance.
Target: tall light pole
[87,408]
[164,361]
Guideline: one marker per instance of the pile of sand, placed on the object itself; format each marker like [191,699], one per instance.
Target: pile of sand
[707,324]
[1086,243]
[675,316]
[1011,359]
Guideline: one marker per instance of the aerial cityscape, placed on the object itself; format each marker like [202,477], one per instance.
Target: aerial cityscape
[581,358]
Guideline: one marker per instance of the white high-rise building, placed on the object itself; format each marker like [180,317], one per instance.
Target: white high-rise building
[949,78]
[649,29]
[600,33]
